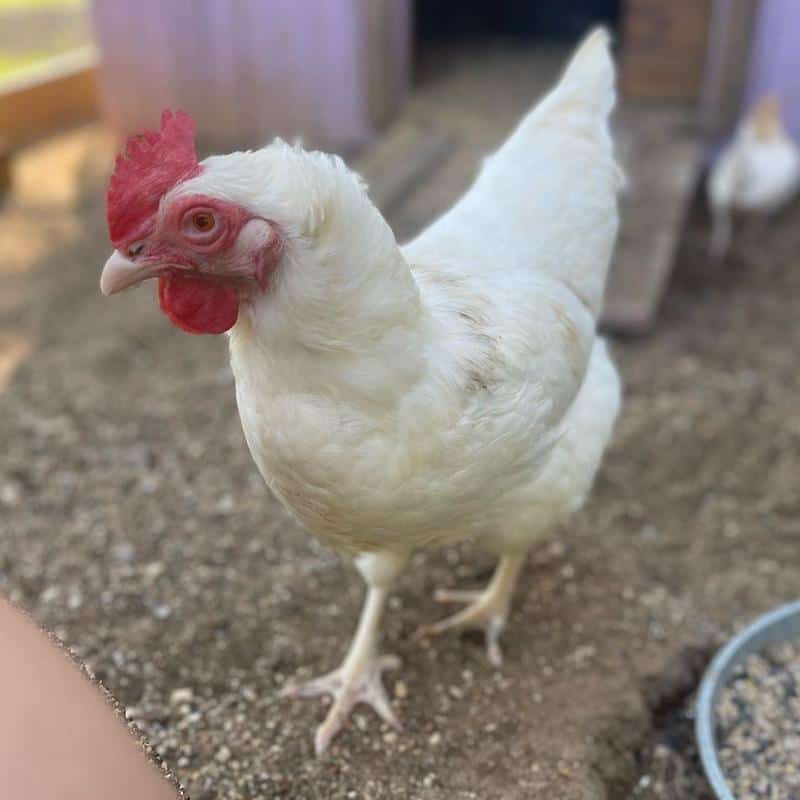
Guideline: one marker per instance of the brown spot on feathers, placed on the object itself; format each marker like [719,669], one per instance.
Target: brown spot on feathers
[571,337]
[480,372]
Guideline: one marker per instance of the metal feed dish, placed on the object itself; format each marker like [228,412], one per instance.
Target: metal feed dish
[779,625]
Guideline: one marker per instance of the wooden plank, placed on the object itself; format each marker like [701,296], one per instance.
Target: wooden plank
[661,154]
[664,49]
[59,93]
[406,154]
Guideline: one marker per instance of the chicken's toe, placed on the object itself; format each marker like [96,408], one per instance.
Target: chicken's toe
[481,614]
[348,689]
[486,610]
[457,595]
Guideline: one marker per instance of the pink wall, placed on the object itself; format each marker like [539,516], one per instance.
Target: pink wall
[251,70]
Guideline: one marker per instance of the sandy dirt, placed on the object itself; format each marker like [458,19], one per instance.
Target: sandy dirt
[135,526]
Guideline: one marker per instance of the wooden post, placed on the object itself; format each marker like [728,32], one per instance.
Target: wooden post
[664,49]
[731,34]
[5,167]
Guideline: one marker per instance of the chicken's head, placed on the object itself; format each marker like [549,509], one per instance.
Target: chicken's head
[207,248]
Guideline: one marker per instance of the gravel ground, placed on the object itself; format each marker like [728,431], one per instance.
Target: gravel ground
[136,528]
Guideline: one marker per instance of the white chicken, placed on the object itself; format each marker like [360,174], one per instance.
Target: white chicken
[394,397]
[758,172]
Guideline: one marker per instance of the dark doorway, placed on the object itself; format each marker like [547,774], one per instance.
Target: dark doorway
[458,19]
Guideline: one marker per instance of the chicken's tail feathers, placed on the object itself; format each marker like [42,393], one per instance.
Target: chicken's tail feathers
[546,200]
[583,98]
[590,74]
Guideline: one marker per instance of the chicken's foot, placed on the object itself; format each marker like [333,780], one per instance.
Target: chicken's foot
[486,611]
[358,680]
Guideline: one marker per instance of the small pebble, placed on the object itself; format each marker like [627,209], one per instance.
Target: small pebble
[50,594]
[181,696]
[9,494]
[161,611]
[74,599]
[223,754]
[153,571]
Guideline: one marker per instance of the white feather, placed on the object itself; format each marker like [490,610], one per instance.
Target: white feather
[393,397]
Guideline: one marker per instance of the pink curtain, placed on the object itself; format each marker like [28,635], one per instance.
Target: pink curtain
[248,71]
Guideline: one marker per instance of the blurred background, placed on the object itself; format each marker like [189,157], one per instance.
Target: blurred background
[406,76]
[129,504]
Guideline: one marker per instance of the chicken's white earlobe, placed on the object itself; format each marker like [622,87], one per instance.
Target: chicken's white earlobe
[268,258]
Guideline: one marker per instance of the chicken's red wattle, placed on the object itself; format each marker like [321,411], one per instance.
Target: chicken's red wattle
[198,305]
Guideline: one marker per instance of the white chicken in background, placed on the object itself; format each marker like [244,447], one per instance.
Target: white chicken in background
[758,172]
[396,397]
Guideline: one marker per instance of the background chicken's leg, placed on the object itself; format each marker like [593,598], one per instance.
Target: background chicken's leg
[487,610]
[358,679]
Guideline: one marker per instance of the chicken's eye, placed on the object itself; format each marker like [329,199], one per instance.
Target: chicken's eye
[203,221]
[202,227]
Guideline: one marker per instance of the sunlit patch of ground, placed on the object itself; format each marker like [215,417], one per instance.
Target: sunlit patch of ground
[43,207]
[13,350]
[43,215]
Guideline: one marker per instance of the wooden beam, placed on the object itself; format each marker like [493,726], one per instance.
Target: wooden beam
[664,49]
[405,155]
[661,154]
[733,24]
[42,100]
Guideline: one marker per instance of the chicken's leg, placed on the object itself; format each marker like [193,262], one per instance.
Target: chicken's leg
[487,610]
[358,679]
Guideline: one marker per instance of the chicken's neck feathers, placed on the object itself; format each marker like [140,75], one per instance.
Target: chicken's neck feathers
[343,317]
[342,283]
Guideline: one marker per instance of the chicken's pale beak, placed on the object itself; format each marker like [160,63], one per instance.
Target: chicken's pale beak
[119,273]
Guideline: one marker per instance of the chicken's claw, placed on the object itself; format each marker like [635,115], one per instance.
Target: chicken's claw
[363,685]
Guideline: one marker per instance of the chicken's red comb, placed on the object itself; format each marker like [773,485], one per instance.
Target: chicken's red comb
[149,165]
